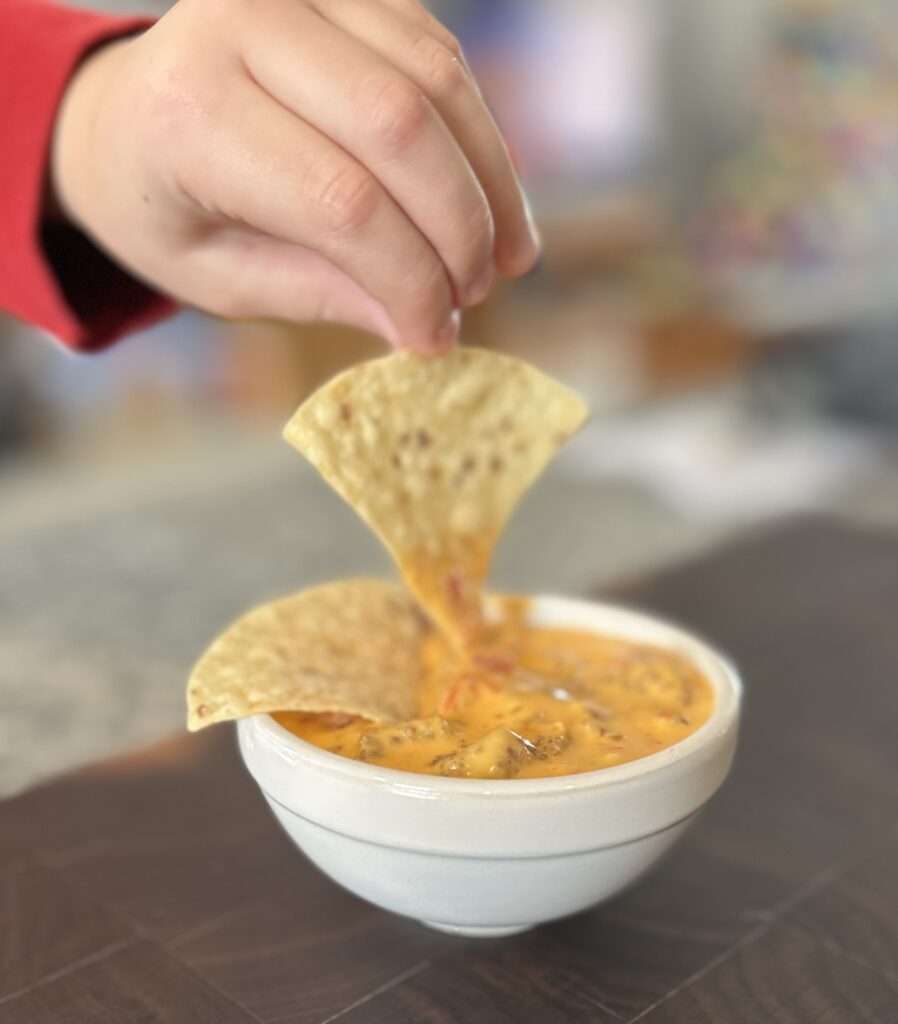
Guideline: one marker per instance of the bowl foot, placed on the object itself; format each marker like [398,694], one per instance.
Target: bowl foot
[478,931]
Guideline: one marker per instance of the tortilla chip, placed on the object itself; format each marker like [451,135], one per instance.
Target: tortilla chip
[434,454]
[350,646]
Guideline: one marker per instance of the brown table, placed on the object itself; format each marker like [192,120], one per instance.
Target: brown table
[156,888]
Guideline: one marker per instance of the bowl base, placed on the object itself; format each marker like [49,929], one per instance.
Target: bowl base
[478,931]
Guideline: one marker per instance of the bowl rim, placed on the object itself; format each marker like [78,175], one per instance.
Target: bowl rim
[717,667]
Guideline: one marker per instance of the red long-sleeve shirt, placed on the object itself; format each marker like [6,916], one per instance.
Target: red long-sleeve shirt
[50,274]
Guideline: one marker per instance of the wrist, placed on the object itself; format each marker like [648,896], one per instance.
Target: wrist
[76,146]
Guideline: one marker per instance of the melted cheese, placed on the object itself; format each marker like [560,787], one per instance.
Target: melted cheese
[528,702]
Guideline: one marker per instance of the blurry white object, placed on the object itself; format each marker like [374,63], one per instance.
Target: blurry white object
[594,87]
[709,460]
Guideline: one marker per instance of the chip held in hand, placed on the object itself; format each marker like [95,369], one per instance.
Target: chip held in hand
[434,454]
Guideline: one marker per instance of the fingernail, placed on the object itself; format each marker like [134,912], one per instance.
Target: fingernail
[479,290]
[531,226]
[518,255]
[449,331]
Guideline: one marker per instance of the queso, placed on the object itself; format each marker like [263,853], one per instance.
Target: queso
[528,702]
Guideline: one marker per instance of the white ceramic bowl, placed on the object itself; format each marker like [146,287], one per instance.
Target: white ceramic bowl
[494,857]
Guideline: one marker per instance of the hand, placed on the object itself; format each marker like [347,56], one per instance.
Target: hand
[296,159]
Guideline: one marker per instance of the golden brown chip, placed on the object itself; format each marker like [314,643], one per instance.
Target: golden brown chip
[350,646]
[434,454]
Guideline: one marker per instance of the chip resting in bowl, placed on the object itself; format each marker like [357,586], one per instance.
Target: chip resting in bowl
[350,646]
[434,454]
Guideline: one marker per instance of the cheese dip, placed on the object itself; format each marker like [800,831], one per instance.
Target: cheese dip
[527,702]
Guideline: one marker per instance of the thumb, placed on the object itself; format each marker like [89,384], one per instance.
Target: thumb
[242,274]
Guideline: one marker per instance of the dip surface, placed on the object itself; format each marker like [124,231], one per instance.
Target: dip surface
[528,702]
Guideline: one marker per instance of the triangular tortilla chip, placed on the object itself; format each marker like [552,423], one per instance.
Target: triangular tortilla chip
[434,454]
[350,646]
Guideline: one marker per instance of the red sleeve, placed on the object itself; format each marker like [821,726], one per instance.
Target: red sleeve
[50,274]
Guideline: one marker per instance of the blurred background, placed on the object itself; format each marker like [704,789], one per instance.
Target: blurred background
[717,186]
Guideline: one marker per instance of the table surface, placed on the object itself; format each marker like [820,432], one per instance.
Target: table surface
[156,887]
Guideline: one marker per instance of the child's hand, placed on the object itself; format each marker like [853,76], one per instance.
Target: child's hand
[297,159]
